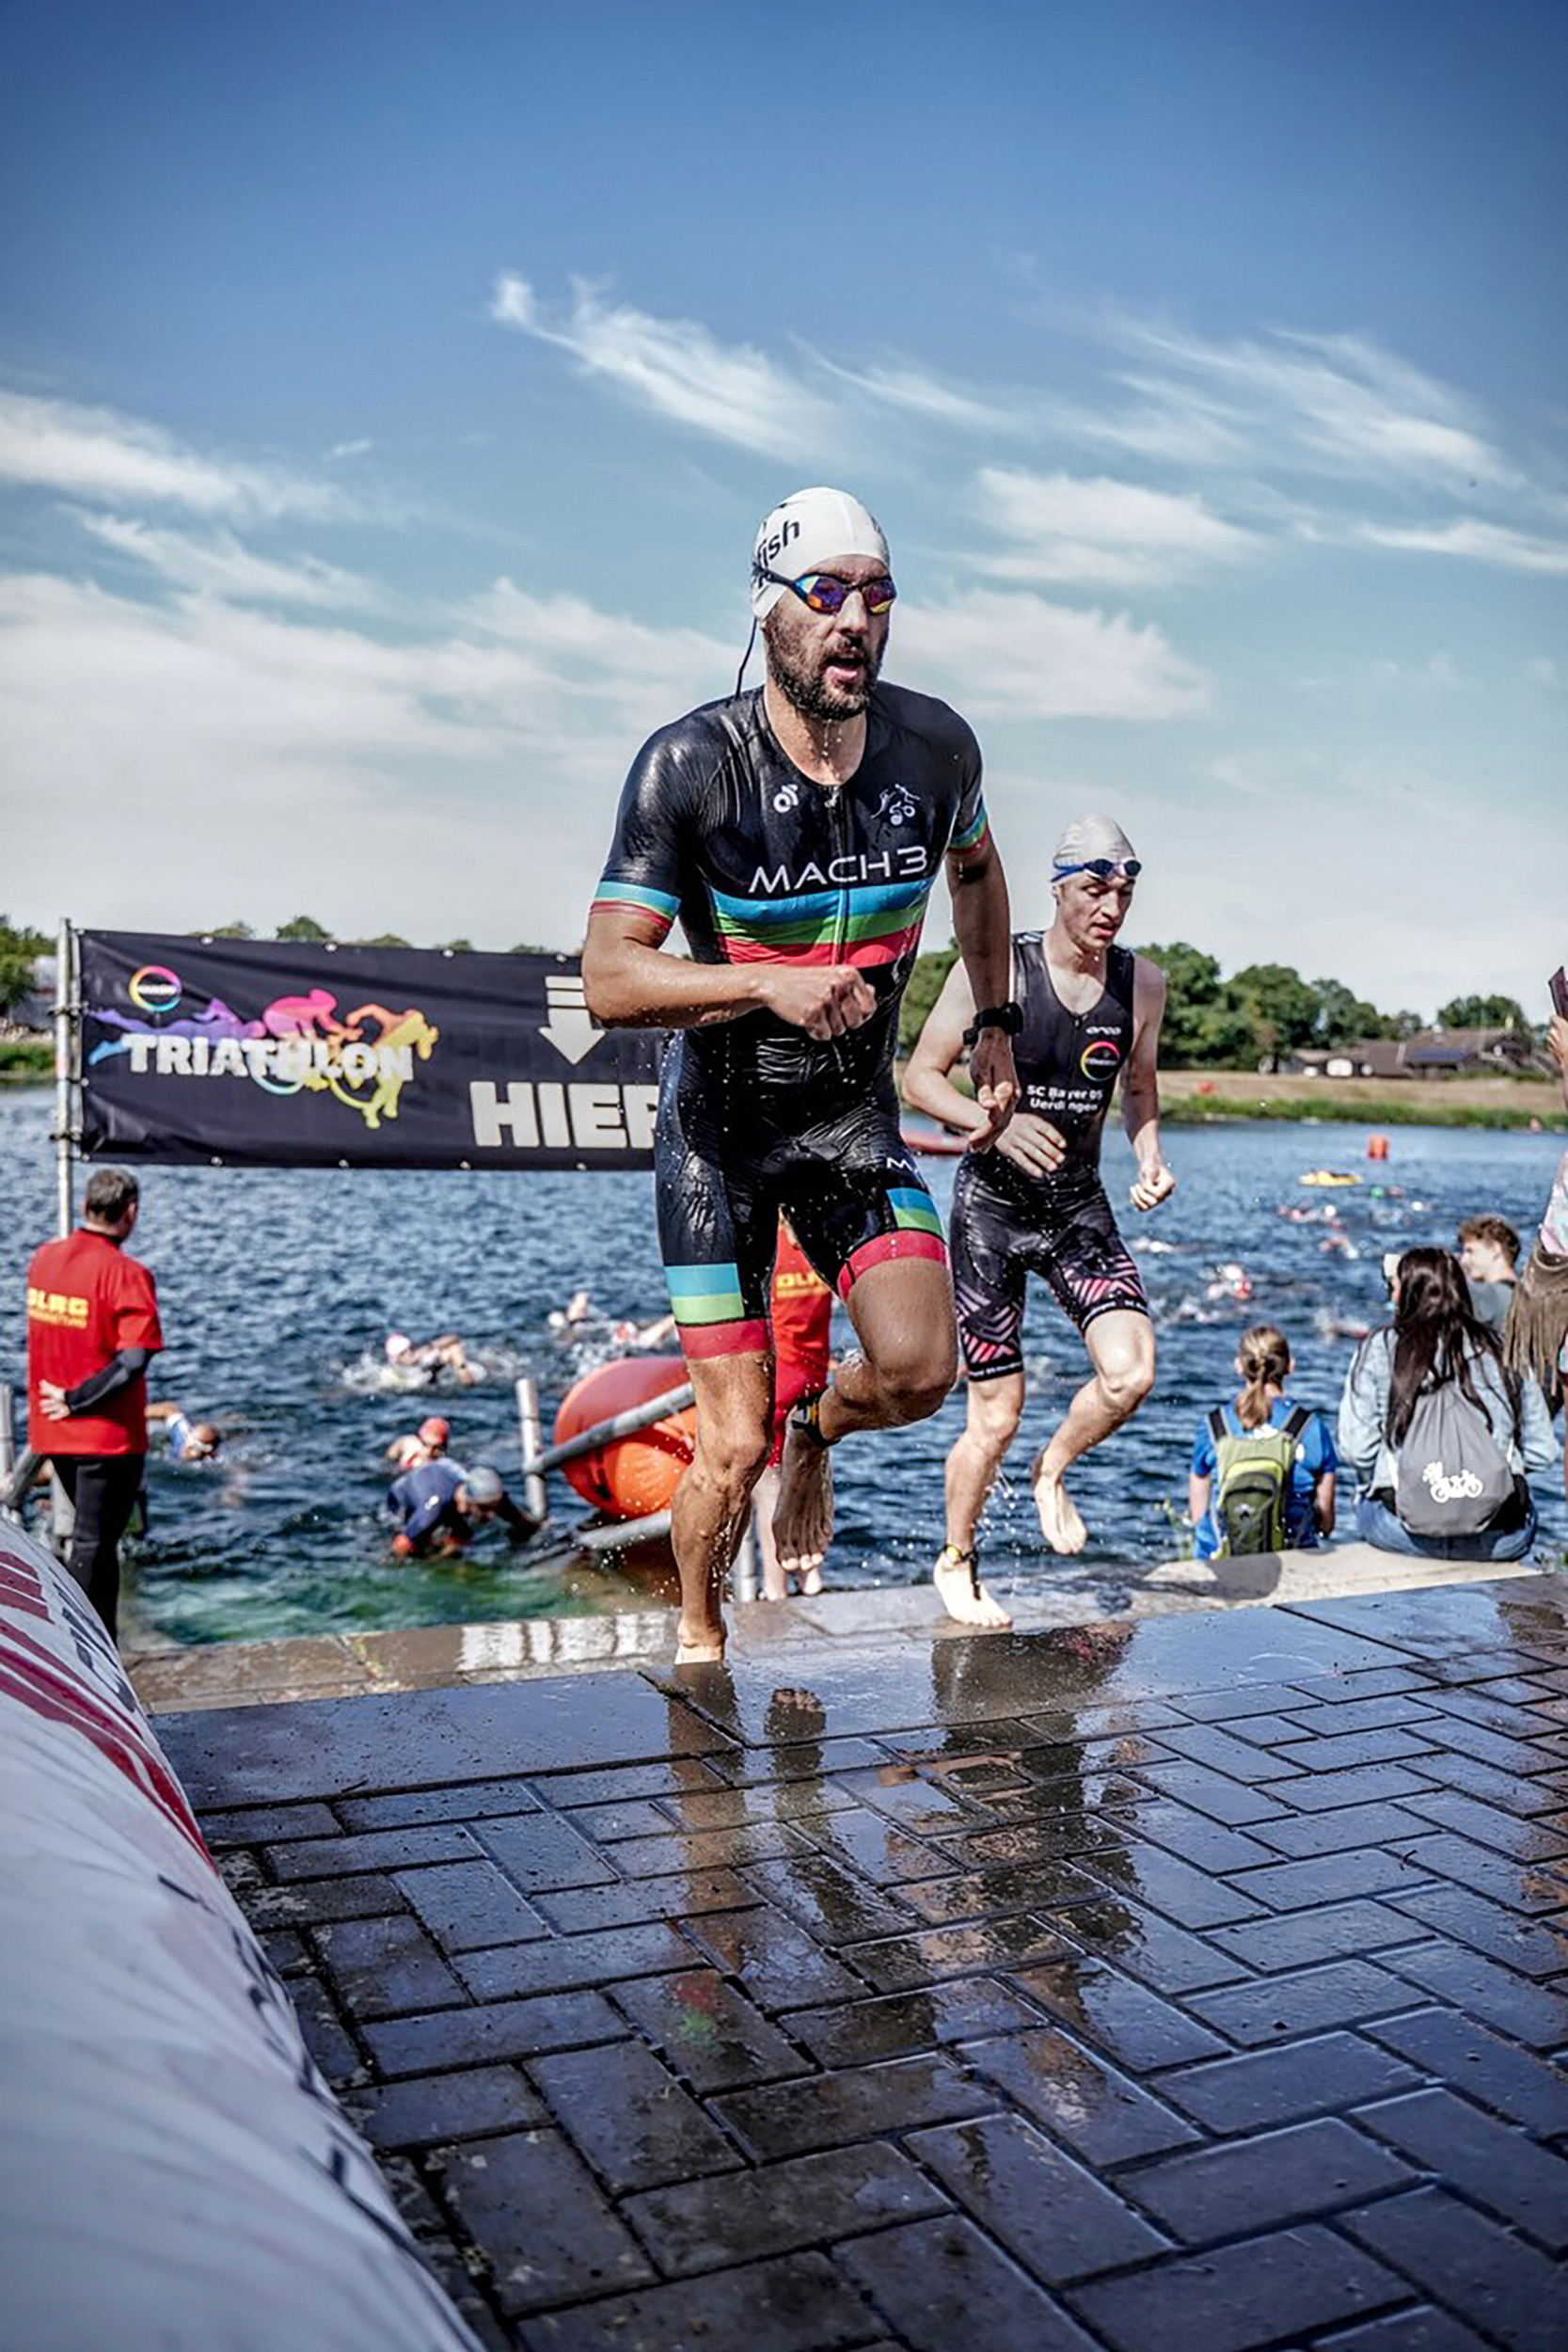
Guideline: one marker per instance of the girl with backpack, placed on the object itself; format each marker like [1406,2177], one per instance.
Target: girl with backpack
[1263,1468]
[1439,1432]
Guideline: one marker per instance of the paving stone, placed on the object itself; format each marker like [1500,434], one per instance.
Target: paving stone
[1371,1784]
[668,1777]
[568,1960]
[630,2117]
[707,2225]
[1079,2098]
[1526,1840]
[1491,2163]
[1536,2015]
[1192,1896]
[799,2303]
[240,1872]
[1494,2073]
[386,1967]
[1481,2272]
[904,1962]
[730,1808]
[1336,1995]
[1293,1939]
[1145,1945]
[1512,1790]
[1376,1682]
[542,1851]
[1529,1886]
[1045,1839]
[1384,1714]
[324,2034]
[836,1907]
[286,1950]
[708,2031]
[267,1824]
[1239,1760]
[774,1959]
[857,2103]
[1345,1828]
[1251,2185]
[1139,2029]
[1208,1845]
[469,1801]
[1534,1948]
[1206,1791]
[1252,1698]
[430,2108]
[1422,2330]
[631,1903]
[1329,1754]
[706,1848]
[316,1899]
[629,1817]
[1331,1878]
[1532,1754]
[804,1759]
[1049,2212]
[912,1802]
[369,1850]
[541,2222]
[500,2029]
[1330,2073]
[958,2009]
[940,2284]
[1268,2290]
[879,1851]
[467,1905]
[985,1893]
[1265,1731]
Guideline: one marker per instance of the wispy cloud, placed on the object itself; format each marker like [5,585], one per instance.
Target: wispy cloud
[220,564]
[1109,532]
[923,394]
[1019,657]
[1482,542]
[674,367]
[99,454]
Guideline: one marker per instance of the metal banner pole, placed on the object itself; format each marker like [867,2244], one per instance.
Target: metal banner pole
[67,1055]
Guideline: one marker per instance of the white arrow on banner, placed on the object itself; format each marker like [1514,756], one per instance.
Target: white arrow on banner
[571,1028]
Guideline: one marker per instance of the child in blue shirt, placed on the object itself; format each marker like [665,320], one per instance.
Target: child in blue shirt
[1263,1364]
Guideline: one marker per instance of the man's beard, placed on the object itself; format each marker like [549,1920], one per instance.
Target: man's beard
[811,695]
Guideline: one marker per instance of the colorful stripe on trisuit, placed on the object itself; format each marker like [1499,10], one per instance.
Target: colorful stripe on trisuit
[863,923]
[972,834]
[622,898]
[917,1234]
[710,1312]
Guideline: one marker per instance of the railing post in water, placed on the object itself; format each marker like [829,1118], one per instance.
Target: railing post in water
[530,1431]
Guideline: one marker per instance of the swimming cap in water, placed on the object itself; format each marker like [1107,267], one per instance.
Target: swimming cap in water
[806,533]
[435,1431]
[398,1344]
[1091,836]
[483,1485]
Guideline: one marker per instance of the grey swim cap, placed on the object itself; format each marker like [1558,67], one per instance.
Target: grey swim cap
[483,1485]
[1090,837]
[806,531]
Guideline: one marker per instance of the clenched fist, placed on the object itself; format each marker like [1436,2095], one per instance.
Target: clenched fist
[824,1000]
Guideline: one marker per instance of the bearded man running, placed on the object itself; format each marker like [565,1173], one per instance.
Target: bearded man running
[797,831]
[1034,1203]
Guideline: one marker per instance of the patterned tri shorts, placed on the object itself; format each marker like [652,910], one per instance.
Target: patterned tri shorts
[1069,1240]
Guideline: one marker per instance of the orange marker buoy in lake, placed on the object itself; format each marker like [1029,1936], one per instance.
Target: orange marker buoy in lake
[630,1477]
[1377,1147]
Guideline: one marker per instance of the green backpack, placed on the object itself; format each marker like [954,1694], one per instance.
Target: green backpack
[1252,1482]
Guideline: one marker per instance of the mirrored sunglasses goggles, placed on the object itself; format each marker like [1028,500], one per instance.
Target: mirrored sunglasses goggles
[824,592]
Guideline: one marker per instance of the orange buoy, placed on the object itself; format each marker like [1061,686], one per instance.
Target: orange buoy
[1377,1147]
[633,1476]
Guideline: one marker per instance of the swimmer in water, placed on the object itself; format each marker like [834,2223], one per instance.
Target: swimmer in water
[434,1359]
[425,1444]
[797,831]
[440,1507]
[188,1441]
[578,1309]
[1033,1202]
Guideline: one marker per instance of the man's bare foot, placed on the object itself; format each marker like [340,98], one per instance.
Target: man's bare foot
[699,1645]
[1060,1522]
[803,1516]
[956,1577]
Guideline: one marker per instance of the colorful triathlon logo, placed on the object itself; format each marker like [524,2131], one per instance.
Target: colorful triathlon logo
[363,1058]
[1100,1059]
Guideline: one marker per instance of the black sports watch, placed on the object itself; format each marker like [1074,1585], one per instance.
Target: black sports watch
[1009,1018]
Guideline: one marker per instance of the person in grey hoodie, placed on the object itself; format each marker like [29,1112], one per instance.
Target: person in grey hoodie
[1436,1338]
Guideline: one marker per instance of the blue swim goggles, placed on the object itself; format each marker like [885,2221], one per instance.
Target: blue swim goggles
[1102,868]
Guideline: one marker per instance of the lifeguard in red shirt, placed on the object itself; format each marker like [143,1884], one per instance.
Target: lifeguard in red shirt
[92,1330]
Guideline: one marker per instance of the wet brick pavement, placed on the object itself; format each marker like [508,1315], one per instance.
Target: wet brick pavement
[1196,1983]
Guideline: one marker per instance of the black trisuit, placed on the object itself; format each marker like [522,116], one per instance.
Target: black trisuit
[763,865]
[1006,1224]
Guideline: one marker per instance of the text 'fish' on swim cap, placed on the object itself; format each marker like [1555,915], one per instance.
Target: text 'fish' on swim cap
[806,533]
[1090,837]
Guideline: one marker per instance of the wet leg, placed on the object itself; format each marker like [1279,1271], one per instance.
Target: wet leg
[735,1412]
[994,1409]
[1121,1350]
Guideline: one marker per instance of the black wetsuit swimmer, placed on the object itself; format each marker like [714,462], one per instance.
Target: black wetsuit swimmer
[718,826]
[1007,1224]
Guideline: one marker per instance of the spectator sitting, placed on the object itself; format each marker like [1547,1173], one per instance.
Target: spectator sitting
[1537,1340]
[1438,1432]
[425,1444]
[1301,1508]
[1489,1252]
[188,1441]
[442,1505]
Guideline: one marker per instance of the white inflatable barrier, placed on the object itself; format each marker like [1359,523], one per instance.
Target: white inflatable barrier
[174,2173]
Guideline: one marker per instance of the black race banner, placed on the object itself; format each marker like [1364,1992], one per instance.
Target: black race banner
[261,1053]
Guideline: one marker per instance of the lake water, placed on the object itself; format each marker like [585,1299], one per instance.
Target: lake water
[278,1287]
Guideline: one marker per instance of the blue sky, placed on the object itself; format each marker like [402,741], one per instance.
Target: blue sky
[389,394]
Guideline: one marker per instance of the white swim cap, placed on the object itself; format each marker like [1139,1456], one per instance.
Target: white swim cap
[483,1485]
[804,533]
[1091,836]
